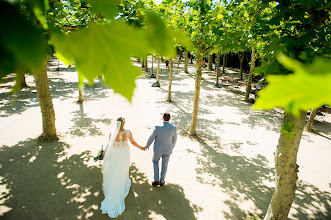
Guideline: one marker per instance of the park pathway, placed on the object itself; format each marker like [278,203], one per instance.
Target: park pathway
[226,172]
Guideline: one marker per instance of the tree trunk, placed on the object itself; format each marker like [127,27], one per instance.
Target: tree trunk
[310,122]
[146,65]
[224,55]
[186,62]
[80,95]
[241,60]
[158,68]
[180,57]
[45,102]
[217,66]
[210,62]
[22,80]
[249,81]
[170,80]
[286,167]
[142,63]
[196,95]
[152,64]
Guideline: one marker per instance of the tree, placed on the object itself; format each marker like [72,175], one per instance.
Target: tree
[186,61]
[298,29]
[200,13]
[170,80]
[32,31]
[310,122]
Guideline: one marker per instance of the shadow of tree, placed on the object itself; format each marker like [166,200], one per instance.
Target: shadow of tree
[41,181]
[60,88]
[85,125]
[245,179]
[241,177]
[15,104]
[147,202]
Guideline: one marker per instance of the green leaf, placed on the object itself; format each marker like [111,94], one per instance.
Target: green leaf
[105,50]
[159,36]
[107,8]
[23,45]
[287,129]
[182,39]
[308,87]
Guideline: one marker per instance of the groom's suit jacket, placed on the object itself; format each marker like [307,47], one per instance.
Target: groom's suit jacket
[164,137]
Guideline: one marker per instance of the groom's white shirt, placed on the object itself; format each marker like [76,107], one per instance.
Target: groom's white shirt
[164,137]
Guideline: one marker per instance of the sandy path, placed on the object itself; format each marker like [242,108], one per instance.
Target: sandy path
[225,173]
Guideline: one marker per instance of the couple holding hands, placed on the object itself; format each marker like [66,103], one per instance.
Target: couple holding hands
[116,162]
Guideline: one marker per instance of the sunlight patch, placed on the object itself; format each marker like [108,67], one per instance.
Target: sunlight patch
[154,215]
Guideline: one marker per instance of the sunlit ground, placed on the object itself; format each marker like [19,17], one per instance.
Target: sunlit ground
[224,173]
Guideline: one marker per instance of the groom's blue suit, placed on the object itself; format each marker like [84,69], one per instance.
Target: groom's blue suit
[164,137]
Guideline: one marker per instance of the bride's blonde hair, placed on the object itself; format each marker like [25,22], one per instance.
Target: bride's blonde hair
[122,120]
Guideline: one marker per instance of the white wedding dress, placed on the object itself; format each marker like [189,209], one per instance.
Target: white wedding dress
[116,181]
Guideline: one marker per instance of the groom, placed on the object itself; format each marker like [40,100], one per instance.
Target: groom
[164,137]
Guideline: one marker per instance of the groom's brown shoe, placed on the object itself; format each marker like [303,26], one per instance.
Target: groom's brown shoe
[155,183]
[161,184]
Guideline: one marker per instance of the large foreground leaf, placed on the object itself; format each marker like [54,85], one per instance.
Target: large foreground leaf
[308,87]
[22,46]
[105,50]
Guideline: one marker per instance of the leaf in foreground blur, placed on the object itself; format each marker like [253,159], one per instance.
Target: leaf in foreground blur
[308,87]
[105,50]
[21,44]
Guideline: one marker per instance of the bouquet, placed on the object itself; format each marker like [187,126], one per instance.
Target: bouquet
[99,155]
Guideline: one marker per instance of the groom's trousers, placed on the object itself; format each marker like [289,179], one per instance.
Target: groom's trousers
[165,160]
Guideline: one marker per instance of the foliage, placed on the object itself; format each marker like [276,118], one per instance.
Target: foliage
[90,34]
[308,87]
[287,129]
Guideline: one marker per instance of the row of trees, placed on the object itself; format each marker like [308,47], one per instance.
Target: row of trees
[100,37]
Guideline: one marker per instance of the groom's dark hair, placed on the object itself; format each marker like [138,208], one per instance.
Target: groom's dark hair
[166,116]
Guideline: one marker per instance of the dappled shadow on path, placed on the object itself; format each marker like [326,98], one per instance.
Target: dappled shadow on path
[245,179]
[147,202]
[16,103]
[41,181]
[85,125]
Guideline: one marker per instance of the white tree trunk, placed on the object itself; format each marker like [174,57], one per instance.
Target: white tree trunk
[170,80]
[196,95]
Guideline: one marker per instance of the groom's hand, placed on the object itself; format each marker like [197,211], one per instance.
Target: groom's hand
[146,148]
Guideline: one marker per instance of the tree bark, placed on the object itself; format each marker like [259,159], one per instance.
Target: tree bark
[170,80]
[45,102]
[217,66]
[249,81]
[22,80]
[80,95]
[196,95]
[241,60]
[210,62]
[146,64]
[186,62]
[224,55]
[152,64]
[180,57]
[158,68]
[142,63]
[311,119]
[286,167]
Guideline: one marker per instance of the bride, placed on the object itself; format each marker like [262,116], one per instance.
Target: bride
[115,169]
